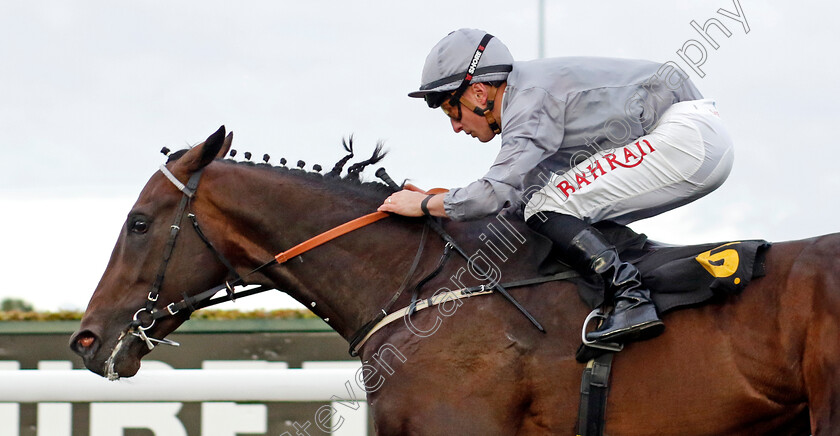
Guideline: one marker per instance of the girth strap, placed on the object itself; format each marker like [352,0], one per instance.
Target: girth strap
[594,389]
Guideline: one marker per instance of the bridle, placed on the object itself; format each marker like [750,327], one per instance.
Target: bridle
[140,324]
[137,327]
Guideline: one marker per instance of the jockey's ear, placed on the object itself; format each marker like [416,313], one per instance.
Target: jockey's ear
[202,154]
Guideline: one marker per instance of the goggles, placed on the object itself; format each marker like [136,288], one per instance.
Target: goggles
[453,111]
[436,99]
[444,100]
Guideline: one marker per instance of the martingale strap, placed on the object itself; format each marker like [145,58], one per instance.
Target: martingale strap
[499,288]
[363,331]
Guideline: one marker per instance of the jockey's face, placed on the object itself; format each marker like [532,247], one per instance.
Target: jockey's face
[471,123]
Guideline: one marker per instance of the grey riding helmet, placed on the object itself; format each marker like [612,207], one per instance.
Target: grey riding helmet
[449,62]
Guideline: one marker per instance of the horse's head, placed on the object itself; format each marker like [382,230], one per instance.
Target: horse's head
[144,274]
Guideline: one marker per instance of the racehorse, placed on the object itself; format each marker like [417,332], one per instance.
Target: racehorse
[762,362]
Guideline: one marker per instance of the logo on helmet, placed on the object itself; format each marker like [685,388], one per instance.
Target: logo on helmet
[474,63]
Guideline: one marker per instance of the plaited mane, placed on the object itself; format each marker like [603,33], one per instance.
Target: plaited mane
[351,180]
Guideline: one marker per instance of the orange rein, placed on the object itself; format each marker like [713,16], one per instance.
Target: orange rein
[335,232]
[329,235]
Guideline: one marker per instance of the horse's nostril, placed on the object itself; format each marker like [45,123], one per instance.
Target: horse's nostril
[84,344]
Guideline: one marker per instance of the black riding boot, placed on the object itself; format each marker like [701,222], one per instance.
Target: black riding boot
[586,250]
[634,316]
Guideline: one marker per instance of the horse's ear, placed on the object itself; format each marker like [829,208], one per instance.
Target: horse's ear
[202,154]
[225,146]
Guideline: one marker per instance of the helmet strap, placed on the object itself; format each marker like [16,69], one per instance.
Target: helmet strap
[486,112]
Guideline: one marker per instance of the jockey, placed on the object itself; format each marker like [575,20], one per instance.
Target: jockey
[584,139]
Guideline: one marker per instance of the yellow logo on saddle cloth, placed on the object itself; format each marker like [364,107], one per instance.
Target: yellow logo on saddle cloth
[721,262]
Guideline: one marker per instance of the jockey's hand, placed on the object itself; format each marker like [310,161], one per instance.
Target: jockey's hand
[405,202]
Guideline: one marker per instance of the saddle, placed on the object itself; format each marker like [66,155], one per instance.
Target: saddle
[678,276]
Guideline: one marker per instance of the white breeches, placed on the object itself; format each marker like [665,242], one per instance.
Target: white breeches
[687,155]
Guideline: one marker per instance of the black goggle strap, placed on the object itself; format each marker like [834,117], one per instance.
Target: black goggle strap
[479,51]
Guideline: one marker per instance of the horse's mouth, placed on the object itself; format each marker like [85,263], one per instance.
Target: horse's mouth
[121,363]
[120,355]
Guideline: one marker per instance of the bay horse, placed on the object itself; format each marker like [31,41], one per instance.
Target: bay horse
[763,362]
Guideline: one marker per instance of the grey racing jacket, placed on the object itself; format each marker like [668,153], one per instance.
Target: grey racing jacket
[558,112]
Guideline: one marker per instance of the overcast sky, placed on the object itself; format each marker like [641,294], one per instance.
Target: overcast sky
[90,91]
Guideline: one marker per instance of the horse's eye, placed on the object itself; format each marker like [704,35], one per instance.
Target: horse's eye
[139,226]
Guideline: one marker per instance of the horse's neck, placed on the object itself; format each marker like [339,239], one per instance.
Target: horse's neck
[344,281]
